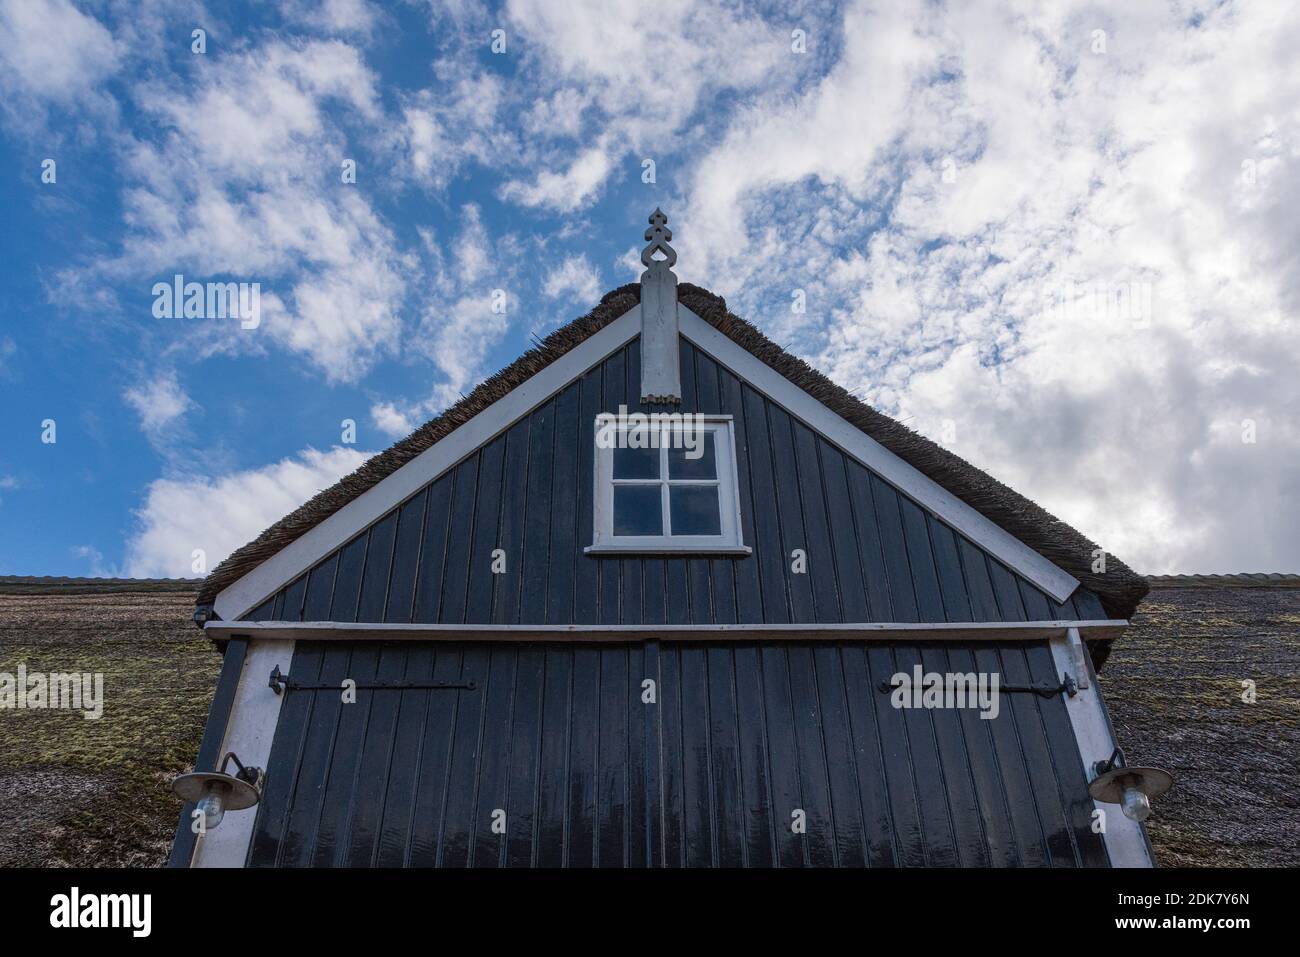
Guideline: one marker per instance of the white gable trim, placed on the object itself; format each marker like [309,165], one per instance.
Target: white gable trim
[1126,842]
[246,593]
[928,493]
[239,597]
[250,729]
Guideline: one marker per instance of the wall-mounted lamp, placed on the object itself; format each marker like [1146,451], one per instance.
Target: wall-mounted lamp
[216,792]
[1131,788]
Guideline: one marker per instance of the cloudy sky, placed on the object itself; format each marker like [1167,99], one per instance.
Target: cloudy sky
[1060,238]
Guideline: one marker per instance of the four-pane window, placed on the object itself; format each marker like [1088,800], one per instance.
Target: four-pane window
[674,490]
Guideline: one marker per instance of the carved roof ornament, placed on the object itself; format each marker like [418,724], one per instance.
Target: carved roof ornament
[658,236]
[660,362]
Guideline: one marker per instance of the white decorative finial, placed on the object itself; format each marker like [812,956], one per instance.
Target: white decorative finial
[660,360]
[658,236]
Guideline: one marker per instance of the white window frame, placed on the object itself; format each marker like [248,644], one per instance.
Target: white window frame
[729,542]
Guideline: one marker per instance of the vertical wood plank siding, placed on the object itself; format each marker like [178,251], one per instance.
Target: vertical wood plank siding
[873,553]
[738,739]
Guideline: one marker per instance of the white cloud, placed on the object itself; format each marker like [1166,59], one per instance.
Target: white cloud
[630,264]
[392,421]
[50,50]
[939,297]
[219,514]
[469,308]
[332,16]
[462,334]
[459,120]
[830,133]
[160,402]
[559,115]
[95,558]
[574,279]
[471,251]
[425,140]
[596,84]
[647,67]
[234,190]
[626,77]
[564,191]
[471,300]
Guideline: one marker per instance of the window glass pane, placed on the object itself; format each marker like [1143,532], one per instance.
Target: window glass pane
[636,463]
[695,510]
[638,510]
[681,465]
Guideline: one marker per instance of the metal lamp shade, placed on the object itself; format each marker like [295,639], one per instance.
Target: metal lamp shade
[239,794]
[1109,787]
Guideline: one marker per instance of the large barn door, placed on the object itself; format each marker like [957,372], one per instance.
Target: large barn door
[541,764]
[674,754]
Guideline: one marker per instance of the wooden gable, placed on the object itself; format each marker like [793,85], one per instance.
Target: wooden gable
[873,553]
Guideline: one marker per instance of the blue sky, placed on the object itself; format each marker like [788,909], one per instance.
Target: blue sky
[1060,241]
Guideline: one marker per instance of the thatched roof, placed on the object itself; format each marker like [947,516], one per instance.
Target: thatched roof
[1119,588]
[1174,690]
[60,585]
[1238,580]
[78,793]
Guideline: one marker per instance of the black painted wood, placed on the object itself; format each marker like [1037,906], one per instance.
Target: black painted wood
[559,746]
[320,589]
[873,554]
[738,741]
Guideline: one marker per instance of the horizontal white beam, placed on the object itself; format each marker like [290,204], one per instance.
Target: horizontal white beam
[1100,629]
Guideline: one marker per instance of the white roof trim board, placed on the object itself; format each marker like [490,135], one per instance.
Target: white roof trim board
[237,599]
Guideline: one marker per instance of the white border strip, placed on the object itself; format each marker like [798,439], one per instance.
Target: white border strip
[992,538]
[237,598]
[867,631]
[250,728]
[1125,843]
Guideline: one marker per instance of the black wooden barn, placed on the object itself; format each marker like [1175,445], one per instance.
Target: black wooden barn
[569,649]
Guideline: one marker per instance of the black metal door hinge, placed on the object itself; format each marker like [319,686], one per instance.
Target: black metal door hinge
[281,682]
